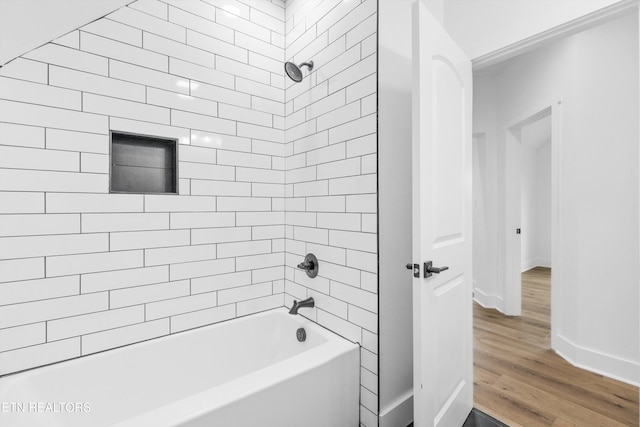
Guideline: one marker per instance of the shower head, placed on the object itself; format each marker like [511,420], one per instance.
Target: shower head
[294,72]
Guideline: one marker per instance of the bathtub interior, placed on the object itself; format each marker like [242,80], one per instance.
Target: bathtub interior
[142,377]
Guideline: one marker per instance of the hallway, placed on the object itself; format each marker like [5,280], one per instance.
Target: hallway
[519,380]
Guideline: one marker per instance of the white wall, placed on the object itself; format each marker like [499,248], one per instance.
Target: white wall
[483,26]
[596,73]
[331,174]
[543,206]
[394,199]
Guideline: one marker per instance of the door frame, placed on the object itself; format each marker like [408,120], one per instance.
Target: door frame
[512,265]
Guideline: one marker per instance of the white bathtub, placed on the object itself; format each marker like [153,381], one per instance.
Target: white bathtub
[250,371]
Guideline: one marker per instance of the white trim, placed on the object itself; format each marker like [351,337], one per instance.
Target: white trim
[579,24]
[485,300]
[598,362]
[398,413]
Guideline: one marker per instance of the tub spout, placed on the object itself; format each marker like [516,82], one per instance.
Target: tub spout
[304,303]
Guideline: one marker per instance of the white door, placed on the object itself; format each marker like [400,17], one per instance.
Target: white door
[442,215]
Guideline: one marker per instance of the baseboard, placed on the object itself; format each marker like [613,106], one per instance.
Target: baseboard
[485,300]
[399,413]
[598,362]
[533,263]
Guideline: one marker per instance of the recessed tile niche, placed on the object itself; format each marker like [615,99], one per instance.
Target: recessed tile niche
[143,164]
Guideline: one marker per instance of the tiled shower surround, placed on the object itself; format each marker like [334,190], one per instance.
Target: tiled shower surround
[268,171]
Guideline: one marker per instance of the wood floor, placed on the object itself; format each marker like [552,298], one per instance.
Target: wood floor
[520,381]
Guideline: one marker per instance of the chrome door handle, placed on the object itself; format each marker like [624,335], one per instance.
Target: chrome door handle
[429,269]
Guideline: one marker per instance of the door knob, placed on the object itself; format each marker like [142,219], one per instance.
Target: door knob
[416,269]
[429,269]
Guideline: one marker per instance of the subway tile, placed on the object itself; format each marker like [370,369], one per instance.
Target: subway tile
[260,132]
[202,122]
[340,326]
[244,204]
[32,180]
[93,322]
[328,253]
[234,158]
[246,115]
[351,18]
[37,311]
[361,88]
[219,282]
[370,341]
[311,96]
[88,263]
[265,48]
[363,318]
[148,23]
[295,204]
[202,219]
[354,129]
[370,164]
[93,203]
[21,269]
[121,108]
[369,361]
[77,141]
[180,101]
[341,274]
[296,119]
[259,175]
[21,203]
[171,307]
[326,105]
[326,204]
[118,337]
[353,185]
[259,218]
[97,84]
[302,219]
[362,260]
[243,26]
[260,304]
[37,224]
[267,274]
[340,221]
[35,246]
[195,319]
[314,188]
[339,116]
[94,163]
[152,129]
[354,296]
[336,169]
[228,250]
[213,45]
[328,154]
[148,294]
[267,190]
[39,94]
[38,355]
[171,203]
[267,20]
[201,268]
[313,235]
[222,142]
[152,7]
[264,62]
[220,94]
[22,336]
[109,222]
[220,188]
[70,58]
[329,304]
[71,39]
[200,8]
[179,254]
[115,31]
[244,293]
[125,278]
[58,118]
[38,159]
[298,43]
[370,223]
[148,77]
[369,281]
[25,69]
[39,289]
[366,242]
[362,30]
[24,136]
[267,232]
[369,380]
[353,74]
[369,405]
[201,73]
[302,131]
[365,203]
[122,52]
[220,235]
[261,89]
[148,239]
[200,17]
[311,142]
[192,153]
[253,262]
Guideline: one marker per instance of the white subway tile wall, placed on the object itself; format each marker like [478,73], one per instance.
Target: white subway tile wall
[82,270]
[331,177]
[269,170]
